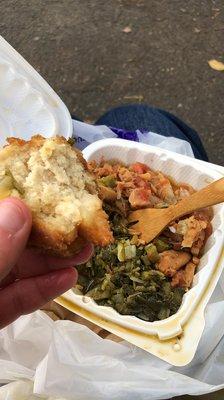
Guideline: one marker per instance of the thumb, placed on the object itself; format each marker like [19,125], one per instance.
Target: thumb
[15,226]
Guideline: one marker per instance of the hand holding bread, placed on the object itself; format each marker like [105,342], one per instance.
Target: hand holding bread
[50,217]
[51,177]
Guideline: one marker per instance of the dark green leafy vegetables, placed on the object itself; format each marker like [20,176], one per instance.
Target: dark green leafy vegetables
[147,281]
[124,275]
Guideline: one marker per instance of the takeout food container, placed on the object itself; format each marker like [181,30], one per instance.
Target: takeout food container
[174,339]
[28,105]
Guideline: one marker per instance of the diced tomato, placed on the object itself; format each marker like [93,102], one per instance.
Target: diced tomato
[139,168]
[140,183]
[140,197]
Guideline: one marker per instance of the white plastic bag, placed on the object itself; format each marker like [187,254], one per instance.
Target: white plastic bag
[86,136]
[66,360]
[22,390]
[69,361]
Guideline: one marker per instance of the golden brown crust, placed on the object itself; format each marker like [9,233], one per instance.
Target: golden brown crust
[37,141]
[53,242]
[53,245]
[96,231]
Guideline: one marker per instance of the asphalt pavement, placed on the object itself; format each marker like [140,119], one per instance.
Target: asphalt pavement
[99,54]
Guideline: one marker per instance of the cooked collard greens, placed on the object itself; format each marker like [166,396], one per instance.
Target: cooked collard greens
[144,280]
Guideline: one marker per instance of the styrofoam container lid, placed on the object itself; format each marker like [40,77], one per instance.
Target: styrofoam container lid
[28,105]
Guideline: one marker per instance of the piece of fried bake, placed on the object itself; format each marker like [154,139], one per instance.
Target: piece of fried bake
[51,177]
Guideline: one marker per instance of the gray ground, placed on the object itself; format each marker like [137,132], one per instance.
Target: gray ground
[80,48]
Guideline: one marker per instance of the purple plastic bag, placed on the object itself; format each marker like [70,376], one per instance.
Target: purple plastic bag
[123,134]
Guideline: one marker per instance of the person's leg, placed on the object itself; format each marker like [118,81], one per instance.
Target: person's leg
[147,118]
[191,134]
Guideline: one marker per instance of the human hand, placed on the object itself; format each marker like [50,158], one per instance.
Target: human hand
[28,279]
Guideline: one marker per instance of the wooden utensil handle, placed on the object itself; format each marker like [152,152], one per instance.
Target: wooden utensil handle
[208,196]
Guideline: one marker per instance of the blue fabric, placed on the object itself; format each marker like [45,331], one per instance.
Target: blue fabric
[146,118]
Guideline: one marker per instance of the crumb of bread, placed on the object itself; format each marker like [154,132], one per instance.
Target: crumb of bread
[52,178]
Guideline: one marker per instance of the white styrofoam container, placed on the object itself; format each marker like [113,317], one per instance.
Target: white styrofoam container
[183,169]
[28,105]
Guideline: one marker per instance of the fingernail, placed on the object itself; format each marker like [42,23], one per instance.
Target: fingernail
[85,254]
[12,218]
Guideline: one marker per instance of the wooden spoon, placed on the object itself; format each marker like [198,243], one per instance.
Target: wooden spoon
[151,221]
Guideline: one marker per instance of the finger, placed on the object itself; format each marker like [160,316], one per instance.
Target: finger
[15,226]
[80,258]
[32,263]
[85,254]
[28,295]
